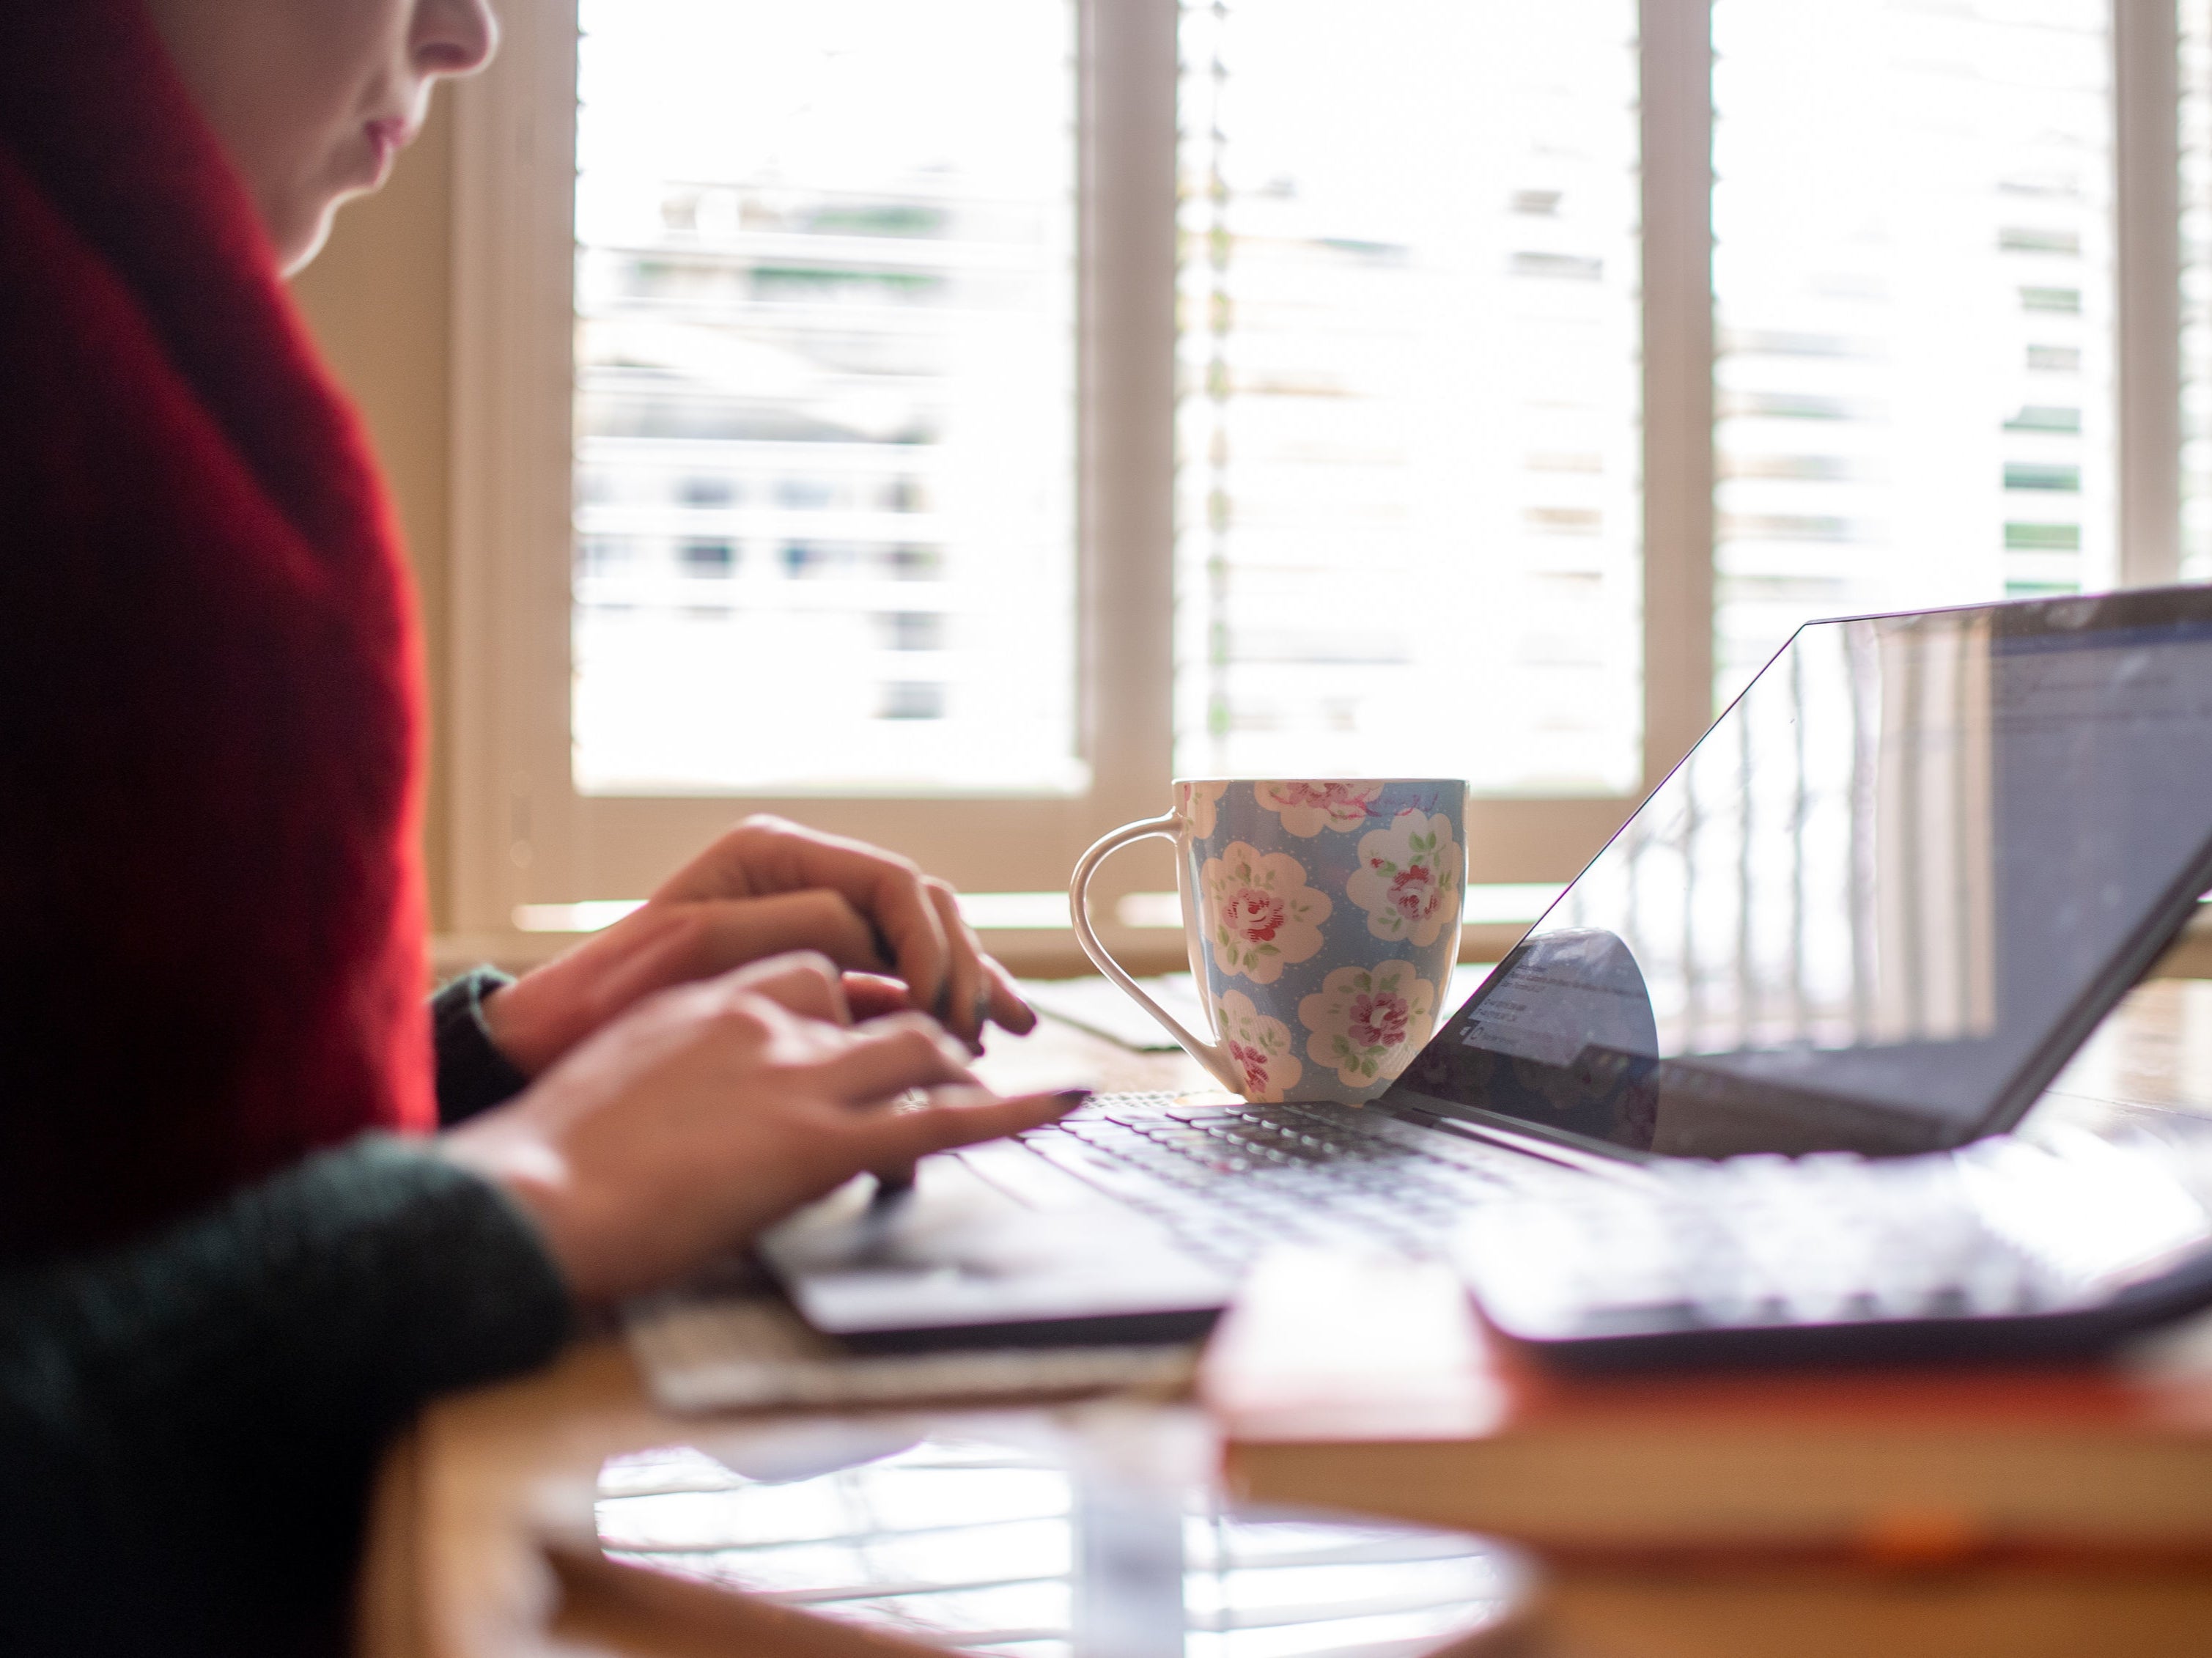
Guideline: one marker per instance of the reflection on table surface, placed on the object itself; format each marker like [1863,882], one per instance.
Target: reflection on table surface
[2152,1053]
[1034,1545]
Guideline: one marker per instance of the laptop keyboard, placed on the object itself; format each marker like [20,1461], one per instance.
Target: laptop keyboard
[1228,1178]
[1671,1250]
[2002,1227]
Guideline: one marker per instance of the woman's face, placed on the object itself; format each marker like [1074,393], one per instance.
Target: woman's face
[312,99]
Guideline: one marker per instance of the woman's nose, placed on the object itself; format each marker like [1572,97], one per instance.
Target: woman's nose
[452,37]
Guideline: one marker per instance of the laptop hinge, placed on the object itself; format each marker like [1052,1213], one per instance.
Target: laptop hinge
[1567,1157]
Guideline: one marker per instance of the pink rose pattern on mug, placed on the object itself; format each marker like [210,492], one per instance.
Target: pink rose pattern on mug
[1328,918]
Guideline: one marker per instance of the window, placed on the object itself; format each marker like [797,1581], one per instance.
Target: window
[1408,420]
[1913,282]
[824,299]
[942,419]
[2193,253]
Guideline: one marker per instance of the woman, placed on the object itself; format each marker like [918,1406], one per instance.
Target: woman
[229,1264]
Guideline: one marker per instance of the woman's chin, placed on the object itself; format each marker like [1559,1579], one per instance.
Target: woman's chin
[298,243]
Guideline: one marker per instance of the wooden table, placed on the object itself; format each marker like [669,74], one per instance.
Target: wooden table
[458,1566]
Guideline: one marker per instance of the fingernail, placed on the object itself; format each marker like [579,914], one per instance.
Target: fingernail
[1073,1099]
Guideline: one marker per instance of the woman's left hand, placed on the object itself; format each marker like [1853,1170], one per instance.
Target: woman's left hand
[766,887]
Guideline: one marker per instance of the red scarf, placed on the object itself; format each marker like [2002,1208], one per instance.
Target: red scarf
[211,949]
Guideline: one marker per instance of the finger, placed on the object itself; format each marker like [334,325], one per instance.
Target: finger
[954,1116]
[1006,1005]
[870,995]
[896,1178]
[965,998]
[702,939]
[889,1056]
[908,926]
[898,1174]
[805,982]
[766,854]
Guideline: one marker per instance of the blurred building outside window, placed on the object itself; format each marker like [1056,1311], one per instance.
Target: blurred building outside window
[824,397]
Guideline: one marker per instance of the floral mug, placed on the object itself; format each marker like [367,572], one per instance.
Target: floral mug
[1322,920]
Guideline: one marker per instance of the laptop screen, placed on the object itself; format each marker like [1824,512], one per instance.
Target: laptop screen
[1881,902]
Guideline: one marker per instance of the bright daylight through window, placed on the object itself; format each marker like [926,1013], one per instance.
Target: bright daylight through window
[1913,281]
[1408,469]
[2194,31]
[981,408]
[824,295]
[824,398]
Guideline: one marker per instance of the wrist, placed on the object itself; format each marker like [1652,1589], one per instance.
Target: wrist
[536,1178]
[474,1071]
[511,1022]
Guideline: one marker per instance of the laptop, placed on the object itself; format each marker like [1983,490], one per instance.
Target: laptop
[1870,915]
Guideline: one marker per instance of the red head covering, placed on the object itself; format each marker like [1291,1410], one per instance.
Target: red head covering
[211,954]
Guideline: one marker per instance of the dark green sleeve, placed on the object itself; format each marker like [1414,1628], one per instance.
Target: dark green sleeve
[188,1427]
[473,1075]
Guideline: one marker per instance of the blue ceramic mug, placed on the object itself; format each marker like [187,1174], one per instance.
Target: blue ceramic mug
[1322,921]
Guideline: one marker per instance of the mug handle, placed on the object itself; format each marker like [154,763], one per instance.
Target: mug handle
[1213,1055]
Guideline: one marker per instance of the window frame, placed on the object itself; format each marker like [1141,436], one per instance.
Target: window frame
[520,834]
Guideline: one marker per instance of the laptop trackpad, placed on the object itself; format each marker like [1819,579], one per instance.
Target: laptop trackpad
[956,1255]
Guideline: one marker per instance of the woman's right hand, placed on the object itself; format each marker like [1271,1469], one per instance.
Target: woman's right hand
[713,1109]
